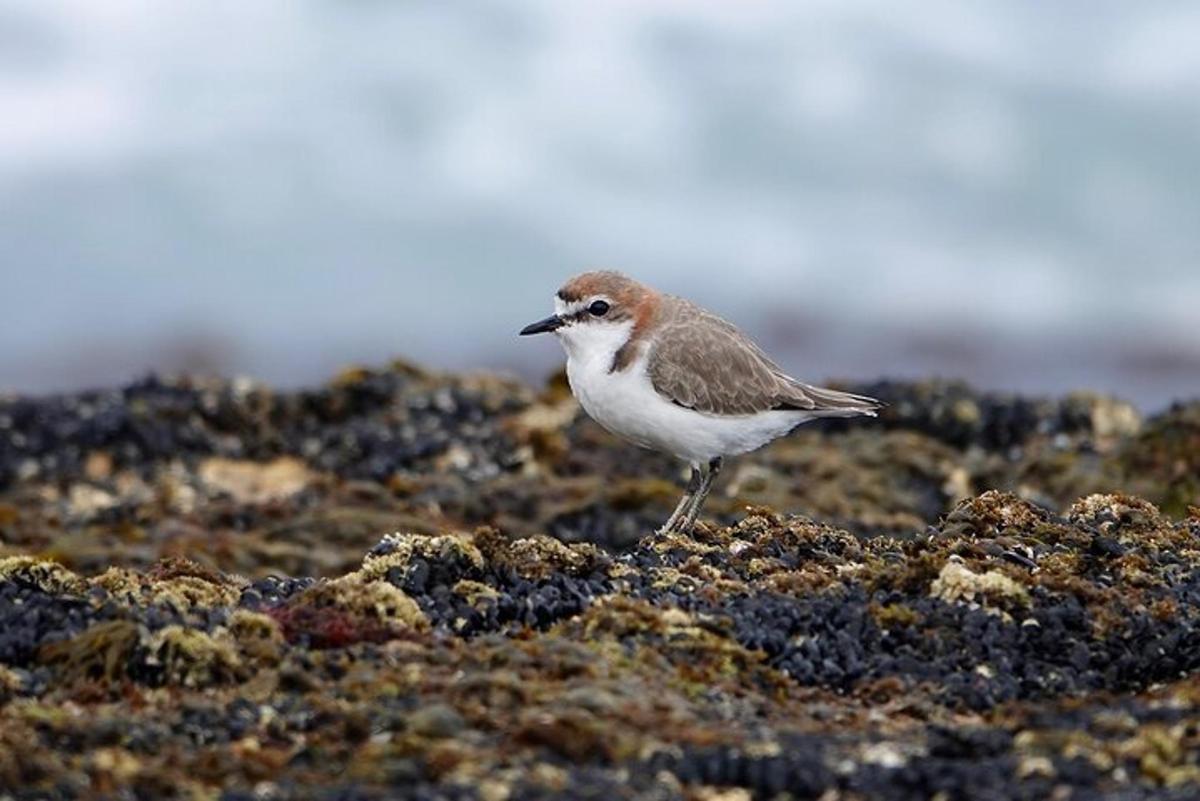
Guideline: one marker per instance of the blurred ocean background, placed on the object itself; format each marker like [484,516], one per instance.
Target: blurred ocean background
[1003,191]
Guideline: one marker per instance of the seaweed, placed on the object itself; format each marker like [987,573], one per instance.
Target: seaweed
[978,596]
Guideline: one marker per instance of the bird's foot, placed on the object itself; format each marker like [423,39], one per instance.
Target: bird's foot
[677,528]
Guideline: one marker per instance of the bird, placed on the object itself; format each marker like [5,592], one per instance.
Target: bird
[671,376]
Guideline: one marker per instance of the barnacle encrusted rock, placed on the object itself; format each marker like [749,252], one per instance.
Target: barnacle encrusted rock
[974,596]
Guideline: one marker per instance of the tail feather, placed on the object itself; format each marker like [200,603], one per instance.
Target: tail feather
[824,402]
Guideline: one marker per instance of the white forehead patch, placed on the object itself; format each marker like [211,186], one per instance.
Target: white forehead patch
[564,309]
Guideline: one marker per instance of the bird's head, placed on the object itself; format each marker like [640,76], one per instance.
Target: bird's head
[598,311]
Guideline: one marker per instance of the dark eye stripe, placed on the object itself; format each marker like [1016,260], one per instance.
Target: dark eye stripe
[615,315]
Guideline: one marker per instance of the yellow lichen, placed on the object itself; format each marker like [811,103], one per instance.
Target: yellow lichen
[891,616]
[958,583]
[183,592]
[244,624]
[113,766]
[709,793]
[540,556]
[121,583]
[10,684]
[258,636]
[475,592]
[46,575]
[1116,510]
[1164,754]
[403,548]
[193,658]
[377,600]
[494,790]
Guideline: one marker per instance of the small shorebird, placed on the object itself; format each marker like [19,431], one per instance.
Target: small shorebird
[670,376]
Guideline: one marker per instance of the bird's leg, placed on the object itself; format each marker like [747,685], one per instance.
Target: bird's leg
[710,475]
[693,485]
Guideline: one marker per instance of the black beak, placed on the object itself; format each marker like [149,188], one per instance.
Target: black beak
[542,326]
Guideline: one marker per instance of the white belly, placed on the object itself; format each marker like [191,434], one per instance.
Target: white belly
[627,404]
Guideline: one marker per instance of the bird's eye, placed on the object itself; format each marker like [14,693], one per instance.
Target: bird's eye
[598,308]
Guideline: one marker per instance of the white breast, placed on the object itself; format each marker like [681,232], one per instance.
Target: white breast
[627,404]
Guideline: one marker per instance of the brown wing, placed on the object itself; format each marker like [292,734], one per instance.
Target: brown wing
[703,362]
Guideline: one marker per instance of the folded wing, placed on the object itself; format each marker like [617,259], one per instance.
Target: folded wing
[702,362]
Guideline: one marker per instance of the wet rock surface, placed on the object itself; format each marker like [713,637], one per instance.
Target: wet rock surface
[414,585]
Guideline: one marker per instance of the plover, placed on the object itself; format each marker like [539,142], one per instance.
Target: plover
[668,375]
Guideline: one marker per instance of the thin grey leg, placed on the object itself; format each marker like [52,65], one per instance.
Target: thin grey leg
[694,483]
[700,495]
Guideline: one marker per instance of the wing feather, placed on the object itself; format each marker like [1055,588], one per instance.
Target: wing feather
[702,362]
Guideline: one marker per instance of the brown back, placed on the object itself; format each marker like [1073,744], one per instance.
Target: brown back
[702,362]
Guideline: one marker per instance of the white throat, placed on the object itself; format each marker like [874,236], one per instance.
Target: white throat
[594,342]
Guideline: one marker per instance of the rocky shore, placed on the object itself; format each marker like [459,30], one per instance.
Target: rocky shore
[413,585]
